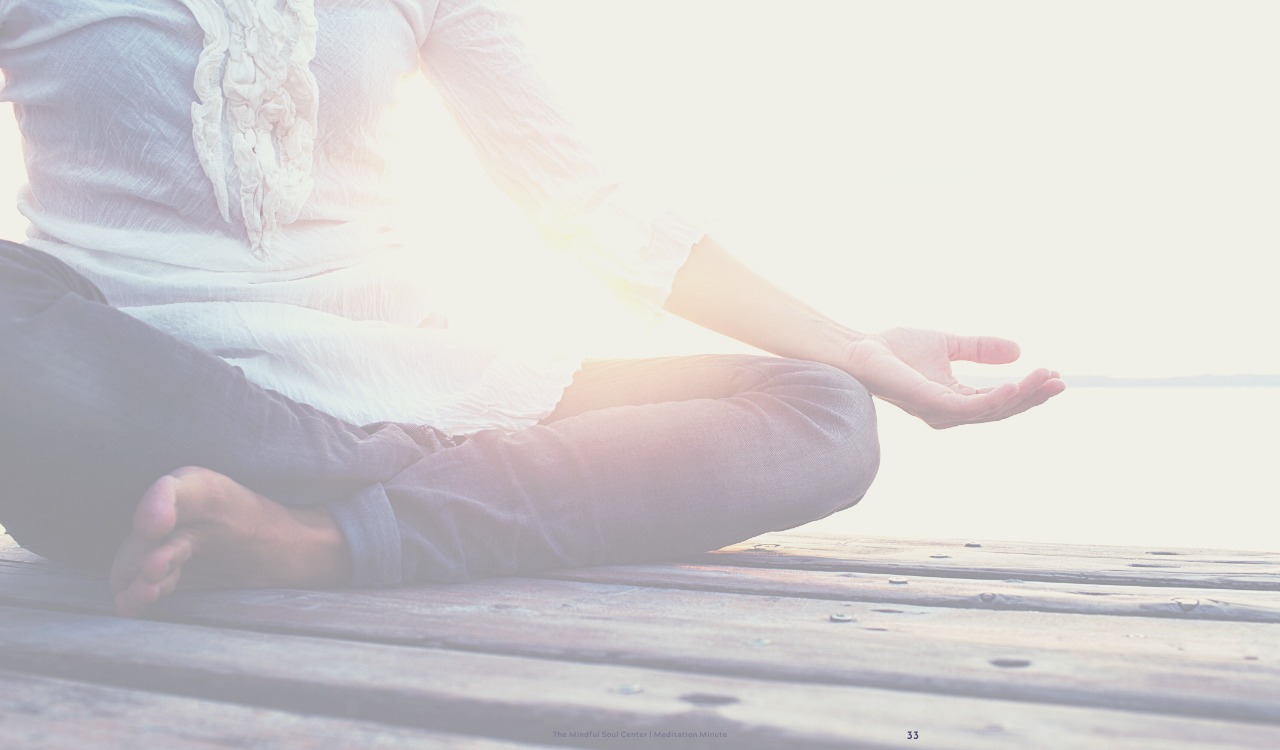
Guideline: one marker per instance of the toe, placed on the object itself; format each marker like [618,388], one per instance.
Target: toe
[154,575]
[134,600]
[167,557]
[169,583]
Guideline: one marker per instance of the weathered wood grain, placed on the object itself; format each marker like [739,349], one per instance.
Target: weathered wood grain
[989,560]
[41,713]
[1065,563]
[983,560]
[529,699]
[1214,670]
[1022,595]
[936,591]
[883,622]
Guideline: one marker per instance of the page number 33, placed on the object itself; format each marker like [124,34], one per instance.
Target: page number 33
[913,735]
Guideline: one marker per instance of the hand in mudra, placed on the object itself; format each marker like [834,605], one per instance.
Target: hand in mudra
[911,368]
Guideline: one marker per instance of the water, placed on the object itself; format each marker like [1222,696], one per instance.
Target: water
[1131,466]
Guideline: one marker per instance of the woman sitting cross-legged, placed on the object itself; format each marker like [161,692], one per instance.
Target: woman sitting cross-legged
[215,370]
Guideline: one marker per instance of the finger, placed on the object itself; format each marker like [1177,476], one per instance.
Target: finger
[1045,391]
[1029,384]
[954,408]
[1033,380]
[996,403]
[988,350]
[1030,403]
[1031,391]
[935,403]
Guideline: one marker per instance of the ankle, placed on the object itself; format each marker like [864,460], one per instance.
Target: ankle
[323,557]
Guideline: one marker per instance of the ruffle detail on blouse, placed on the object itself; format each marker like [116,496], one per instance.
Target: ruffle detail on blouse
[254,75]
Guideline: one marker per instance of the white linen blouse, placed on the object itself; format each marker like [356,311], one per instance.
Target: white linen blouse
[211,165]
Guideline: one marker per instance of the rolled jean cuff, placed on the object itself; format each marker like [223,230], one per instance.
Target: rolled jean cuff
[373,537]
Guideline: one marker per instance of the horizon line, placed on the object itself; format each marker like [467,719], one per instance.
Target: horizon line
[1173,381]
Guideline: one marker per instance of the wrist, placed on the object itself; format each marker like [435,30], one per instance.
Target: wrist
[831,343]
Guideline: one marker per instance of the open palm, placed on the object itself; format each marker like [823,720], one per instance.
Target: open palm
[911,368]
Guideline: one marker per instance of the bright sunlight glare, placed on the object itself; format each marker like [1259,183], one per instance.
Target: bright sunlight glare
[1096,180]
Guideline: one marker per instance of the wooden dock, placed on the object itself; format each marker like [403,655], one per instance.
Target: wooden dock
[787,641]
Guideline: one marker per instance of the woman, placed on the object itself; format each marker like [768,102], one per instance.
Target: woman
[204,310]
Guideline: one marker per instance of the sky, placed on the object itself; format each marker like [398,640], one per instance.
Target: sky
[1096,180]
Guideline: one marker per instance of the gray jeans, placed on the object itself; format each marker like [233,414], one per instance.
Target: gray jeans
[642,460]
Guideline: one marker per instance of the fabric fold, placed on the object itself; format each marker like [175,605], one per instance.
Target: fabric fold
[254,82]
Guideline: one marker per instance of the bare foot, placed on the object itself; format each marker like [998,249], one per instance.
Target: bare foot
[204,529]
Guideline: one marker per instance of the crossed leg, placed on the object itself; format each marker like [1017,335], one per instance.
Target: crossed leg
[641,460]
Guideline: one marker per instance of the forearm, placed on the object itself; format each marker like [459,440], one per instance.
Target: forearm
[908,367]
[717,291]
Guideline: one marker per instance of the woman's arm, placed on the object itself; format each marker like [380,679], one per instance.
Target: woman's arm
[481,67]
[910,368]
[479,63]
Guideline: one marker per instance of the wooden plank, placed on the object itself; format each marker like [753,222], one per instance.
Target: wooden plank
[43,585]
[529,700]
[991,560]
[406,610]
[12,553]
[1054,550]
[1136,601]
[39,713]
[1214,670]
[1081,564]
[949,591]
[9,550]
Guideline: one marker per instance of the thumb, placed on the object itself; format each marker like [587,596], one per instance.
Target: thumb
[988,350]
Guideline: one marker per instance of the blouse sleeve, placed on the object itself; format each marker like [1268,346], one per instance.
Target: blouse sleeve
[474,56]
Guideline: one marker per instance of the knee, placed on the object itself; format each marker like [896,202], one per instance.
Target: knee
[31,280]
[850,456]
[860,441]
